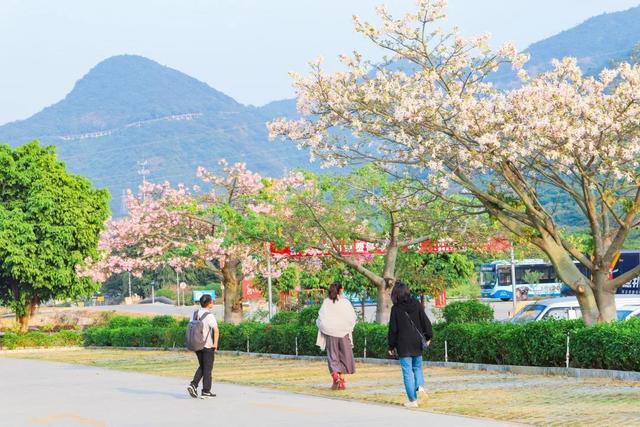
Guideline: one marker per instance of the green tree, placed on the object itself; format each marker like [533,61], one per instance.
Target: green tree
[50,221]
[432,273]
[388,213]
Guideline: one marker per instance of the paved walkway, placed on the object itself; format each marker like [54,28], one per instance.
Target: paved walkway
[36,393]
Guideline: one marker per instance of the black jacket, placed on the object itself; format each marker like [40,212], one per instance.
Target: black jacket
[402,335]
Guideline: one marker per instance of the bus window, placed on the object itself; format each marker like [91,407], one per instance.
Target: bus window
[488,279]
[527,273]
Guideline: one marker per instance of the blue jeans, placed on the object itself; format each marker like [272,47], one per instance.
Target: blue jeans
[412,375]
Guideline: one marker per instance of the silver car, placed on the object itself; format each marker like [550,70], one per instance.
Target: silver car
[564,308]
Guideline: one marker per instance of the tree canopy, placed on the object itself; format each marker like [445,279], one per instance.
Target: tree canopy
[435,118]
[50,222]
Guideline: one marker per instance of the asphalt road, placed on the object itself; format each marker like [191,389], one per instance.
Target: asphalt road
[35,393]
[502,309]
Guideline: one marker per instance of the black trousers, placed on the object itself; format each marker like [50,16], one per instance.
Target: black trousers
[205,366]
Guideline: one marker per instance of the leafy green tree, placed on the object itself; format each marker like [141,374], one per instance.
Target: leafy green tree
[50,221]
[389,214]
[432,273]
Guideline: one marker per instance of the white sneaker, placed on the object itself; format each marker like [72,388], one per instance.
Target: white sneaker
[411,404]
[422,393]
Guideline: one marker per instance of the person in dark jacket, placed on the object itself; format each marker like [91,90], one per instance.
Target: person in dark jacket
[407,322]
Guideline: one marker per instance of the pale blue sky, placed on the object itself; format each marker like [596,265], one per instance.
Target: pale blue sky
[242,47]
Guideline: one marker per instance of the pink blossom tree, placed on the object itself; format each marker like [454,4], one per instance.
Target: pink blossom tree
[223,228]
[435,114]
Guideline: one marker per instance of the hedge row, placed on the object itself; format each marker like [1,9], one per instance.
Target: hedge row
[64,338]
[607,346]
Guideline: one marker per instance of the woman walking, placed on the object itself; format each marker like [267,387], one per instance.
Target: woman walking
[409,334]
[336,320]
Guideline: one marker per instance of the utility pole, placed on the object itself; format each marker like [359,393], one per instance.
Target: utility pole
[143,171]
[178,287]
[513,279]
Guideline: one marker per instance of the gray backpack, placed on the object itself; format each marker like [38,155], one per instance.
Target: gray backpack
[195,332]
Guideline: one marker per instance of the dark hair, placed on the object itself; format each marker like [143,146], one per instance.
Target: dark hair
[334,291]
[205,300]
[400,293]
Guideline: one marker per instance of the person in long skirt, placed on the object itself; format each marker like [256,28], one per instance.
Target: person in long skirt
[336,321]
[409,331]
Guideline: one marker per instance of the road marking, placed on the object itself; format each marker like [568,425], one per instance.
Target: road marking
[77,419]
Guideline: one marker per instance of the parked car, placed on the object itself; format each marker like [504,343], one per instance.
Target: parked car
[628,312]
[564,308]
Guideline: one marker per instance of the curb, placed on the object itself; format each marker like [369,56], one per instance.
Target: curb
[513,369]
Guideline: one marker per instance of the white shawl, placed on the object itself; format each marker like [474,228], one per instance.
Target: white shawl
[335,320]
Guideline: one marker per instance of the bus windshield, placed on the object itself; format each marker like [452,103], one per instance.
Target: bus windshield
[488,279]
[528,313]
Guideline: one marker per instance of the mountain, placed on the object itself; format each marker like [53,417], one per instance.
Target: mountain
[596,43]
[129,109]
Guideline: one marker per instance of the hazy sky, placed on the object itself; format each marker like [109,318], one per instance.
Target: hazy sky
[242,47]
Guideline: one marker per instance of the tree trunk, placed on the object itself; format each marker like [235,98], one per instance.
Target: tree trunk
[605,298]
[232,292]
[383,304]
[30,310]
[571,275]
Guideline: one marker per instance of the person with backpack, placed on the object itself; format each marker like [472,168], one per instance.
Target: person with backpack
[202,337]
[409,335]
[335,322]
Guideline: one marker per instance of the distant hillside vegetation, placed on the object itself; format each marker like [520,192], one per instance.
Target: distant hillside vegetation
[129,108]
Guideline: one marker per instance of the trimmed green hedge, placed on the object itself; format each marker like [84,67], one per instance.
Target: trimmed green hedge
[64,338]
[467,311]
[607,346]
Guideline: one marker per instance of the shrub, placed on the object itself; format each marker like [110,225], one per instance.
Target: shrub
[467,311]
[164,322]
[376,340]
[285,317]
[167,293]
[607,346]
[308,315]
[35,339]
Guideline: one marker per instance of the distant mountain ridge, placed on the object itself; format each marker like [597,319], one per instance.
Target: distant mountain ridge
[129,108]
[596,43]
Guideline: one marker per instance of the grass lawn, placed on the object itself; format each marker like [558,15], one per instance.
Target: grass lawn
[540,400]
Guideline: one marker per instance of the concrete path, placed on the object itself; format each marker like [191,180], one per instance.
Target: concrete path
[35,393]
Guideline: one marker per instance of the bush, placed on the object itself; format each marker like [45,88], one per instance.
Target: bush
[65,338]
[285,317]
[164,322]
[167,293]
[467,311]
[607,346]
[308,315]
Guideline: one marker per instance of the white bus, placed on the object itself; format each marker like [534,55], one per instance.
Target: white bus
[534,278]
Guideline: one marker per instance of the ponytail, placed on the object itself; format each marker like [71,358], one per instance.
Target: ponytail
[334,291]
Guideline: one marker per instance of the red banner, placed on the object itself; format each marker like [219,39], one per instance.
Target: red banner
[359,247]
